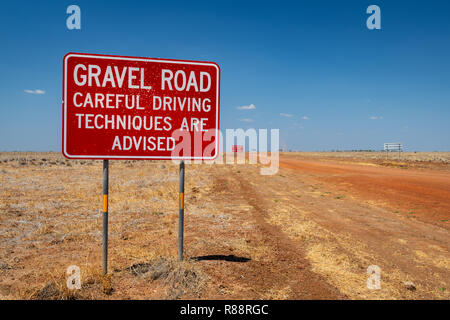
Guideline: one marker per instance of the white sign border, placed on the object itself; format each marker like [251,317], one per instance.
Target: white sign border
[69,55]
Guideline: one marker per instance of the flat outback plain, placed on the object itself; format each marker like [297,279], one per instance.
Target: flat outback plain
[308,232]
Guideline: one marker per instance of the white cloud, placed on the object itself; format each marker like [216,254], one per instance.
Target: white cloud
[375,117]
[250,107]
[305,118]
[287,115]
[246,120]
[37,91]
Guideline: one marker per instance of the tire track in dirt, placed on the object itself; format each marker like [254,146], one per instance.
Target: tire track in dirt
[405,247]
[424,193]
[290,268]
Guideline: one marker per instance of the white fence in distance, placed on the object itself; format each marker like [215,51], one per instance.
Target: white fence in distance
[393,146]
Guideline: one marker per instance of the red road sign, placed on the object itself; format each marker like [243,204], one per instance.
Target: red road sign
[117,107]
[237,148]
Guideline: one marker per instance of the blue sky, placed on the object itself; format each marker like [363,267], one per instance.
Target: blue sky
[310,68]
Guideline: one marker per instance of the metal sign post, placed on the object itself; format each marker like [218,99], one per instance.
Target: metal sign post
[105,215]
[181,214]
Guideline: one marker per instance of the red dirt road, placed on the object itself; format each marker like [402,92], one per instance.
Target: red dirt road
[424,194]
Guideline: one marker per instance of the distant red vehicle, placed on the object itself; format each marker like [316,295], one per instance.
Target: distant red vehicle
[237,148]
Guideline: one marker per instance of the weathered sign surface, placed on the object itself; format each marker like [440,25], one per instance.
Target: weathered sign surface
[117,107]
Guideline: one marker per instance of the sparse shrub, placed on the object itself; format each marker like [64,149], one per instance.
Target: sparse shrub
[49,292]
[180,277]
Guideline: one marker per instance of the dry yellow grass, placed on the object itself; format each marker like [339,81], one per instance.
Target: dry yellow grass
[50,219]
